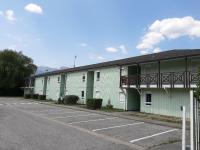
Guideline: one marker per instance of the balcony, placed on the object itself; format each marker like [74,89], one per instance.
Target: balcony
[162,80]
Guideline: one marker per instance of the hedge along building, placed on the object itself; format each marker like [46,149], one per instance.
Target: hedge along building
[156,83]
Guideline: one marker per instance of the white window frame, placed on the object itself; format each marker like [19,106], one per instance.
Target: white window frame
[122,101]
[96,94]
[148,103]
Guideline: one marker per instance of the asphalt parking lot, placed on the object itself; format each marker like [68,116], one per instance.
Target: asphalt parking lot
[119,133]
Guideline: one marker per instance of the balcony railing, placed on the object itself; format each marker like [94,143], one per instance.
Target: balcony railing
[156,80]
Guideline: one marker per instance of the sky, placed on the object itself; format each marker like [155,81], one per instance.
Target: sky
[53,32]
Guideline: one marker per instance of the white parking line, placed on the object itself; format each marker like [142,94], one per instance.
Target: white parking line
[117,126]
[93,120]
[59,113]
[76,116]
[150,136]
[49,110]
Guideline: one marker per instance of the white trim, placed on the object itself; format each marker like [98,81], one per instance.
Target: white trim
[150,136]
[145,102]
[124,125]
[76,116]
[92,120]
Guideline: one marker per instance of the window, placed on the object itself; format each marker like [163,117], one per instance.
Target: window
[83,78]
[148,99]
[98,76]
[122,97]
[58,79]
[82,94]
[97,94]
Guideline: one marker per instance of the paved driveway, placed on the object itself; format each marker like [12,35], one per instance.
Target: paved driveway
[28,125]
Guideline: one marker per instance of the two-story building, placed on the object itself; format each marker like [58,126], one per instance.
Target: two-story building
[156,83]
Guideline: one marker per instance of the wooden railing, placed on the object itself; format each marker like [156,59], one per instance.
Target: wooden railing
[170,79]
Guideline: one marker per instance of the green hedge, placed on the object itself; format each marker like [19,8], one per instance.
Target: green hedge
[42,97]
[34,96]
[27,96]
[70,99]
[94,103]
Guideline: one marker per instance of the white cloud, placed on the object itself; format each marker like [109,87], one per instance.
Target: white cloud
[84,44]
[9,15]
[33,8]
[123,49]
[112,49]
[100,58]
[96,57]
[170,28]
[157,50]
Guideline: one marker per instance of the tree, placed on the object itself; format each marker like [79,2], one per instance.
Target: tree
[197,90]
[14,68]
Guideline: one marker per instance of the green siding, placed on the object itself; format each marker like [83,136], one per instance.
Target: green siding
[75,84]
[62,86]
[53,87]
[39,85]
[90,84]
[166,102]
[108,86]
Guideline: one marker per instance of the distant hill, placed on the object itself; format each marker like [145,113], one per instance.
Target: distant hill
[43,69]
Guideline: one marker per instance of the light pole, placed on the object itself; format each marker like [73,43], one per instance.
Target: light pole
[75,61]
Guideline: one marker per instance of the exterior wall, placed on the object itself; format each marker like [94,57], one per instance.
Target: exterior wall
[166,102]
[74,84]
[53,87]
[39,85]
[108,86]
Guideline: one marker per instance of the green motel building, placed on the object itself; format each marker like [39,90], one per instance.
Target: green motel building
[158,83]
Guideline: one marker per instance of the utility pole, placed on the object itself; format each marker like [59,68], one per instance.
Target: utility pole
[75,61]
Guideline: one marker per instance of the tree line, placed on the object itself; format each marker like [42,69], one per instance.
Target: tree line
[15,67]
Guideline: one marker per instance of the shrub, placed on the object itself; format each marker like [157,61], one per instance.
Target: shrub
[60,101]
[94,103]
[27,96]
[42,97]
[34,96]
[70,99]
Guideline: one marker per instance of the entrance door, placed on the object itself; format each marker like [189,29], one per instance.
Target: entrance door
[133,101]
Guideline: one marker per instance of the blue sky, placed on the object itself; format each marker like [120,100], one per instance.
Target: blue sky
[53,32]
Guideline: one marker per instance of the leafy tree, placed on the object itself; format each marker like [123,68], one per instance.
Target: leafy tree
[197,90]
[14,68]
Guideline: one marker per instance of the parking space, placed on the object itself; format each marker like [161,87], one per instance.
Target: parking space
[127,130]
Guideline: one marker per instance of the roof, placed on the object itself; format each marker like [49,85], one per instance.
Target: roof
[165,55]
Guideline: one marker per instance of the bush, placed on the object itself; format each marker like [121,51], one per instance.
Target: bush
[70,99]
[94,103]
[42,97]
[27,96]
[34,96]
[60,101]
